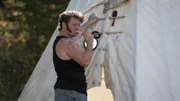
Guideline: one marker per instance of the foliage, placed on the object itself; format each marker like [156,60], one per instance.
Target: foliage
[25,29]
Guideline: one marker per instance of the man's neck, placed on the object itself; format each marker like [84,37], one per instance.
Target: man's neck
[64,33]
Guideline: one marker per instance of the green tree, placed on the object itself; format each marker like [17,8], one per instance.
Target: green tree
[25,29]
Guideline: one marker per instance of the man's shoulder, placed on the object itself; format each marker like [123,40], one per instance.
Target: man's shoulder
[65,41]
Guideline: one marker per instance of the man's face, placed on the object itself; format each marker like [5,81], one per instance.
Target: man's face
[72,27]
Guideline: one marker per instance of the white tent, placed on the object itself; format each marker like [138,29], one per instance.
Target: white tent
[157,50]
[140,53]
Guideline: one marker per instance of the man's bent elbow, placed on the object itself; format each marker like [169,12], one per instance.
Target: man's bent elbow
[86,64]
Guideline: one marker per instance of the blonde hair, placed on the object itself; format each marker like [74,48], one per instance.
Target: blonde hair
[67,15]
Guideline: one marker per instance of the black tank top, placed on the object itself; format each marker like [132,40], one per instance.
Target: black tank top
[70,75]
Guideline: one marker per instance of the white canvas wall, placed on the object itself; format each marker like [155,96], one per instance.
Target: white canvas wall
[158,52]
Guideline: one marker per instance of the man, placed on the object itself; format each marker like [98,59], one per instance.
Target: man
[69,59]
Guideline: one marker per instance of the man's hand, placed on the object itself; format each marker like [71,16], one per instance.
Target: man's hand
[89,38]
[93,18]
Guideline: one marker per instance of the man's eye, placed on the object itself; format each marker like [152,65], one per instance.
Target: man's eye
[76,24]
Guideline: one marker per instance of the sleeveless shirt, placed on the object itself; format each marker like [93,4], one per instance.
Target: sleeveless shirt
[70,75]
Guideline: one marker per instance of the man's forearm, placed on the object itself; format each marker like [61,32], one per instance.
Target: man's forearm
[92,19]
[85,26]
[88,53]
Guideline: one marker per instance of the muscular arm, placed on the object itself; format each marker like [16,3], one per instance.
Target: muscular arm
[73,51]
[83,28]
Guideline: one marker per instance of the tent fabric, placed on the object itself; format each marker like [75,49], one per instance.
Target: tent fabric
[140,55]
[158,52]
[83,5]
[120,56]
